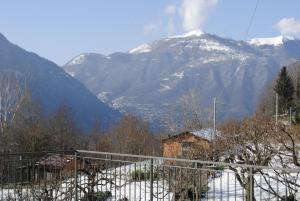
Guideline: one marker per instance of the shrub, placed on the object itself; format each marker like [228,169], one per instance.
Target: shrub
[142,175]
[97,196]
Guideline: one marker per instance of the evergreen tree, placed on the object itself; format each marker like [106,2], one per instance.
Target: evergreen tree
[298,87]
[285,89]
[297,101]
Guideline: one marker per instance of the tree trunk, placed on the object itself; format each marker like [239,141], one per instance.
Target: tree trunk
[249,188]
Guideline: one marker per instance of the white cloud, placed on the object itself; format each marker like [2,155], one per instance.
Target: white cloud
[195,12]
[170,26]
[152,27]
[165,21]
[289,27]
[192,13]
[170,10]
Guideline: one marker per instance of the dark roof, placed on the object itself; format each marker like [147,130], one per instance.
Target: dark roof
[55,161]
[203,134]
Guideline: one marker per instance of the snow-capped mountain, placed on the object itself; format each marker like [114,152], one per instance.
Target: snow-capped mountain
[149,78]
[52,87]
[274,41]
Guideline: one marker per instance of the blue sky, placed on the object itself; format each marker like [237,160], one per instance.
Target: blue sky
[61,29]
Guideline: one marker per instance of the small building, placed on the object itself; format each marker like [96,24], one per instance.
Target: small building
[189,144]
[53,165]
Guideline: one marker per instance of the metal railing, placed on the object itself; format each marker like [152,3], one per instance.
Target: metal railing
[94,176]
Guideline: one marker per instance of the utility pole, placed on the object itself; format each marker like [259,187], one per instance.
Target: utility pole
[214,128]
[276,115]
[215,115]
[291,118]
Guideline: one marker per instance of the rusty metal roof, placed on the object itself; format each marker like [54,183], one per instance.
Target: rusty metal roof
[56,161]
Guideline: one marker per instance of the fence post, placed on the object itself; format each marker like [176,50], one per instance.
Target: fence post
[151,179]
[195,184]
[251,184]
[76,193]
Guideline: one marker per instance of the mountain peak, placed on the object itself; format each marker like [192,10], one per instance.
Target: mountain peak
[81,58]
[143,48]
[77,60]
[275,41]
[194,33]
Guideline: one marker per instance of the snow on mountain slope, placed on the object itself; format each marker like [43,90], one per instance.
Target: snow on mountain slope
[141,49]
[195,33]
[77,60]
[276,41]
[149,83]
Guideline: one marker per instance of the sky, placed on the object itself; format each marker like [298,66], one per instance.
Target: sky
[61,29]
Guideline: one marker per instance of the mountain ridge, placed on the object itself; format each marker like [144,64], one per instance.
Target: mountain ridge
[147,82]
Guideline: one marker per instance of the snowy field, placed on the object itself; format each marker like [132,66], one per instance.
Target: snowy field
[226,187]
[118,181]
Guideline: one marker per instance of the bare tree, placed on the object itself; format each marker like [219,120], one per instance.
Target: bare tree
[130,135]
[11,96]
[63,130]
[186,114]
[248,142]
[256,141]
[28,129]
[98,139]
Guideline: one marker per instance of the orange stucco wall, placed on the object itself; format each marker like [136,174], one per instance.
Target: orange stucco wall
[172,148]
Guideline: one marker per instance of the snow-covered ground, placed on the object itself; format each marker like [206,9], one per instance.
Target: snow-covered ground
[222,186]
[127,187]
[121,185]
[226,187]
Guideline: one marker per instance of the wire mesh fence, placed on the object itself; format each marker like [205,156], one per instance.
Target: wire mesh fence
[95,176]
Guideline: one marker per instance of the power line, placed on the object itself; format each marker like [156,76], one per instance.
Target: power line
[245,37]
[251,20]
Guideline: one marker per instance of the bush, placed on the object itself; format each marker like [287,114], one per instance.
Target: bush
[97,196]
[289,198]
[142,175]
[220,167]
